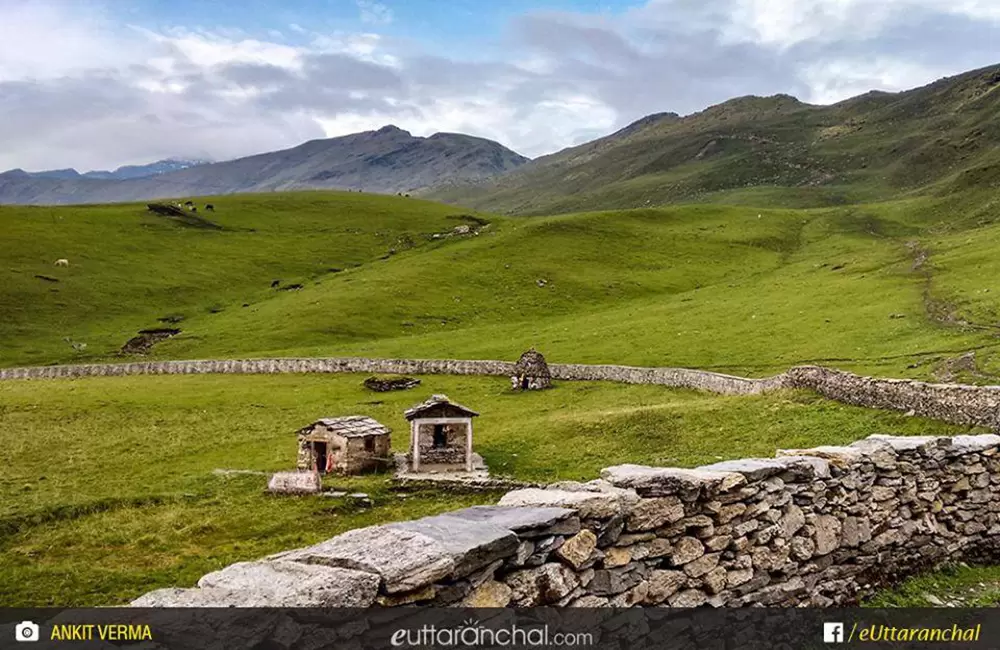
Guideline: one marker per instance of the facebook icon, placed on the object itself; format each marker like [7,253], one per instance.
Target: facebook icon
[833,632]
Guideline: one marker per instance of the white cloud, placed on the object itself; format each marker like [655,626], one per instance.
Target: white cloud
[374,13]
[42,40]
[833,81]
[79,87]
[783,23]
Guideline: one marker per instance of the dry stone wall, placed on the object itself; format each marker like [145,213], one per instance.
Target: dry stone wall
[818,527]
[954,403]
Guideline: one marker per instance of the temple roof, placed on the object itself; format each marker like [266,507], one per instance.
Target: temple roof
[437,401]
[350,426]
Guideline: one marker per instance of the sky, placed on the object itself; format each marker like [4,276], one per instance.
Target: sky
[95,84]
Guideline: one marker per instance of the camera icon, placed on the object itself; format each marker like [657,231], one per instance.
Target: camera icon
[26,631]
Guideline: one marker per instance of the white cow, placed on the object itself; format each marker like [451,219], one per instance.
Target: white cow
[62,262]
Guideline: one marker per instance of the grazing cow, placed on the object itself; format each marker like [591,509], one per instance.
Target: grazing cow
[210,207]
[62,262]
[189,203]
[194,209]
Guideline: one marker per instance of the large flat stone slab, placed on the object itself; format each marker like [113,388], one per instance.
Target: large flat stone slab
[587,504]
[527,522]
[405,558]
[905,443]
[834,455]
[756,469]
[295,483]
[472,545]
[294,584]
[970,444]
[689,484]
[174,597]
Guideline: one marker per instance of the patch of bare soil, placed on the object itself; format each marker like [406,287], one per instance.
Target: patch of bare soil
[940,311]
[146,339]
[951,369]
[185,217]
[386,384]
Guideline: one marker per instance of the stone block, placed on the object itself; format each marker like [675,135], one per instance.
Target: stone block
[688,484]
[544,585]
[587,504]
[293,584]
[295,483]
[652,513]
[577,550]
[527,522]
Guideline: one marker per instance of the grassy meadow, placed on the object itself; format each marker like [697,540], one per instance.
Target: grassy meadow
[110,491]
[734,288]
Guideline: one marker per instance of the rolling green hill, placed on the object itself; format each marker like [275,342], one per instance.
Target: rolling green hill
[770,150]
[734,288]
[131,269]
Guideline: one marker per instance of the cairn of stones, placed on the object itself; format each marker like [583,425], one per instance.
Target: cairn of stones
[820,527]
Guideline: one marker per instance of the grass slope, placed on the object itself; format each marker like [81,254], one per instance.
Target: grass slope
[130,267]
[938,138]
[733,288]
[109,488]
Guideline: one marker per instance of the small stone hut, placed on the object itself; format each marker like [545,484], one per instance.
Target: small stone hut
[345,445]
[440,436]
[531,372]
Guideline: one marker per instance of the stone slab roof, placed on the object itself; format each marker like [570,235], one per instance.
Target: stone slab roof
[532,364]
[435,401]
[350,426]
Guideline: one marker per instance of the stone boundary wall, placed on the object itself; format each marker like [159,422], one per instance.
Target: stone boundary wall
[817,527]
[679,377]
[953,403]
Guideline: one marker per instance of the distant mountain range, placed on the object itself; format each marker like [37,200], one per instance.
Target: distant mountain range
[941,138]
[389,160]
[120,174]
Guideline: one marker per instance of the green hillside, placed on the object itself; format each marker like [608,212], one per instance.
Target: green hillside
[131,269]
[934,139]
[740,289]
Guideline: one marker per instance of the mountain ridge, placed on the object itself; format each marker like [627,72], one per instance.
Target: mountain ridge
[877,145]
[387,160]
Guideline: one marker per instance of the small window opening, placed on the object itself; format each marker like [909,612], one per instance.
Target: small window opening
[440,437]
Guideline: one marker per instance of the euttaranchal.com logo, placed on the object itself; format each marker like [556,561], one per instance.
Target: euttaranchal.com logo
[473,633]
